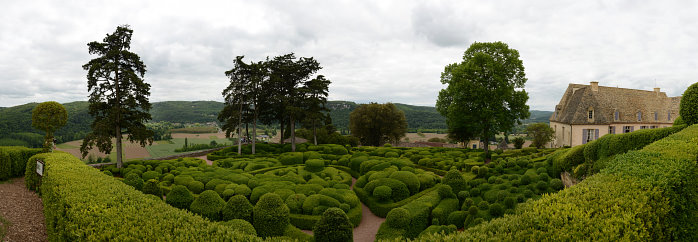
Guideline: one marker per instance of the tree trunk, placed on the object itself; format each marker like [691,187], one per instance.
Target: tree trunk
[247,131]
[240,131]
[486,146]
[119,156]
[314,133]
[293,135]
[281,124]
[254,133]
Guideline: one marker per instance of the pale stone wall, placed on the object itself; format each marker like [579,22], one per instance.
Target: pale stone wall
[573,134]
[562,134]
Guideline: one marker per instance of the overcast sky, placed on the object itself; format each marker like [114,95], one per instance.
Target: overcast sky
[372,51]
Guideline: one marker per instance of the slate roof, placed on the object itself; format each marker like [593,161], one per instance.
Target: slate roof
[605,101]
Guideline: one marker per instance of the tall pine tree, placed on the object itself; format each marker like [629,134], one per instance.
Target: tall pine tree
[118,95]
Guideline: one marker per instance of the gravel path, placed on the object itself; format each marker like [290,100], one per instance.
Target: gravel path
[210,163]
[24,210]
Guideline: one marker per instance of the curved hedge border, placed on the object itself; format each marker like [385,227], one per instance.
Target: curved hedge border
[13,160]
[649,194]
[83,204]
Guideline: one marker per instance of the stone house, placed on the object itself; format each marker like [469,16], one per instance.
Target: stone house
[587,112]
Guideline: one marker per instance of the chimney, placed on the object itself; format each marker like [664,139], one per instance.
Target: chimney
[594,86]
[656,90]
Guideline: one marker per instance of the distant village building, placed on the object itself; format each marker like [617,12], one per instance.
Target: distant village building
[587,112]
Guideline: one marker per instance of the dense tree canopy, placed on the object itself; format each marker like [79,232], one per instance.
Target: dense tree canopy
[118,94]
[541,133]
[485,92]
[688,109]
[49,116]
[375,124]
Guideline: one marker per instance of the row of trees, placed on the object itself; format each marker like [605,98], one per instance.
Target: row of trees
[278,90]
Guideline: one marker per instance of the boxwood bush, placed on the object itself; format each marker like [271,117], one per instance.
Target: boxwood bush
[333,226]
[208,205]
[270,214]
[13,161]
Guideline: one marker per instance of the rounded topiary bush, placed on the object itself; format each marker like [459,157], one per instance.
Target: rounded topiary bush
[382,193]
[241,225]
[209,205]
[457,218]
[107,172]
[472,210]
[270,215]
[237,207]
[334,225]
[196,187]
[455,180]
[152,187]
[132,179]
[496,210]
[510,202]
[409,178]
[151,175]
[484,205]
[295,203]
[179,197]
[398,218]
[314,165]
[211,185]
[391,154]
[688,109]
[542,186]
[556,184]
[482,172]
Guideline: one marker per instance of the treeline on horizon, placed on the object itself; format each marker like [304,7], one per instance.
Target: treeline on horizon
[16,129]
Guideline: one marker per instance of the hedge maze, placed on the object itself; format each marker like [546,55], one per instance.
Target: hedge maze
[648,177]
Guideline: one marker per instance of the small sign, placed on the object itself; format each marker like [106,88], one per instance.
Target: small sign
[40,167]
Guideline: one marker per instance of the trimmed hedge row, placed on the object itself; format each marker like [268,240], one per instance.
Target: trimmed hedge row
[83,204]
[649,194]
[13,160]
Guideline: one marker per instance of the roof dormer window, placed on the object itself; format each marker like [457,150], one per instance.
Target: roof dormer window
[668,115]
[656,116]
[639,116]
[591,114]
[616,116]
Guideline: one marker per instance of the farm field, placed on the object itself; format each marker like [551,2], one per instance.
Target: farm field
[157,149]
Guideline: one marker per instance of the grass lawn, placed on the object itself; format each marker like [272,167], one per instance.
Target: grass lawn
[67,146]
[166,149]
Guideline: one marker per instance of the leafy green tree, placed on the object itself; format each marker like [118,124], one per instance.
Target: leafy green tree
[119,95]
[288,87]
[485,92]
[518,142]
[375,124]
[688,109]
[541,133]
[49,116]
[236,98]
[316,91]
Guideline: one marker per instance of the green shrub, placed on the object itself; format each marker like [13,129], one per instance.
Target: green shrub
[542,186]
[241,225]
[80,203]
[439,229]
[398,218]
[295,203]
[496,210]
[209,205]
[688,109]
[13,161]
[455,180]
[31,178]
[152,186]
[179,197]
[445,208]
[237,207]
[457,218]
[408,178]
[291,158]
[483,205]
[211,185]
[151,175]
[399,189]
[132,179]
[333,226]
[556,184]
[196,187]
[314,165]
[382,193]
[269,214]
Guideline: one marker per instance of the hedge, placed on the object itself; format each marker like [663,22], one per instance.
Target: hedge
[13,160]
[382,209]
[645,195]
[83,204]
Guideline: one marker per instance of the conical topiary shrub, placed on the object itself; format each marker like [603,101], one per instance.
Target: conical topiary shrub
[270,216]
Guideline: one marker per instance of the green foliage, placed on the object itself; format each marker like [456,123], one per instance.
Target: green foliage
[679,121]
[439,229]
[314,165]
[209,205]
[152,186]
[150,175]
[194,147]
[398,218]
[455,180]
[688,109]
[134,180]
[491,75]
[179,197]
[237,207]
[119,95]
[333,226]
[13,161]
[457,218]
[382,193]
[196,187]
[541,133]
[518,142]
[444,209]
[48,117]
[376,124]
[269,214]
[82,204]
[556,184]
[241,226]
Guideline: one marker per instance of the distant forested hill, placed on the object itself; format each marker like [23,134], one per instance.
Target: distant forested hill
[418,117]
[186,112]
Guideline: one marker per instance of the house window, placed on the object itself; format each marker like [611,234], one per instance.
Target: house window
[474,146]
[589,135]
[591,114]
[668,115]
[627,129]
[643,127]
[656,116]
[563,133]
[611,129]
[616,115]
[653,127]
[639,116]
